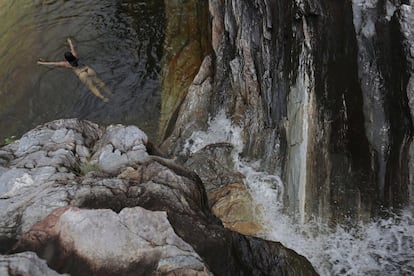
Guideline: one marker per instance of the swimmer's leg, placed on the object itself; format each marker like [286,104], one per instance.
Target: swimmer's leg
[98,94]
[100,84]
[89,83]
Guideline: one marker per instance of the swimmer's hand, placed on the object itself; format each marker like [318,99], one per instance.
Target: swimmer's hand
[41,61]
[72,49]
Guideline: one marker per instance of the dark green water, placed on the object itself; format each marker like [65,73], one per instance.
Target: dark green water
[121,39]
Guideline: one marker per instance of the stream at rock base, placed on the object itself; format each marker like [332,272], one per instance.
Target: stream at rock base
[121,40]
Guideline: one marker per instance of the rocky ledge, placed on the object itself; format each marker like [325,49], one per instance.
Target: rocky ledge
[91,200]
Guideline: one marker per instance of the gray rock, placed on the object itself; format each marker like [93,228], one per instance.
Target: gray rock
[24,264]
[215,166]
[9,179]
[117,242]
[55,153]
[120,146]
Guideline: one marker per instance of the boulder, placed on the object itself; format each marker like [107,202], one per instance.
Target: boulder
[228,197]
[120,146]
[149,215]
[233,205]
[102,242]
[214,165]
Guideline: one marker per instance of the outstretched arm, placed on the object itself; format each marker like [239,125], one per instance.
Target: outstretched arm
[55,63]
[72,49]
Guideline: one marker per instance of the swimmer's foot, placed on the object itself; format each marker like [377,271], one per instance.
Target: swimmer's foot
[105,100]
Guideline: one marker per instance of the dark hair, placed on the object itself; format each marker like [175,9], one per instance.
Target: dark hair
[71,59]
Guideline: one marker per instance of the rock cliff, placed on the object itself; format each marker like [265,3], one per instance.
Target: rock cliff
[323,92]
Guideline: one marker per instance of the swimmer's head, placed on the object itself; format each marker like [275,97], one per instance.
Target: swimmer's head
[71,59]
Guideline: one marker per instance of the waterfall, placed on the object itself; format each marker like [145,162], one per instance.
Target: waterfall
[300,107]
[319,106]
[380,247]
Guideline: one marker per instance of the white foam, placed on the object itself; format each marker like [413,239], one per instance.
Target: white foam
[220,130]
[382,247]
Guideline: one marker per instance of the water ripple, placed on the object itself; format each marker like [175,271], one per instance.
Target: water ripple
[121,40]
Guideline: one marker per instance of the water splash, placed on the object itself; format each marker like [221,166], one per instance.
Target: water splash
[220,130]
[381,247]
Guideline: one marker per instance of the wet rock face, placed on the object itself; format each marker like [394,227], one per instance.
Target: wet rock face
[214,165]
[405,14]
[144,215]
[233,205]
[188,43]
[227,196]
[323,91]
[384,70]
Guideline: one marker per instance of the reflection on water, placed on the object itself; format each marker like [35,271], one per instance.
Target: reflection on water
[122,40]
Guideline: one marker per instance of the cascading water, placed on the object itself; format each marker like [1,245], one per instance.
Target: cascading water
[381,247]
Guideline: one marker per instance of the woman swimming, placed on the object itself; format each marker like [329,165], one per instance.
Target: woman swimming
[86,74]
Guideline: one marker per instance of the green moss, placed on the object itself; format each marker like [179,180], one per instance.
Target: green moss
[83,168]
[8,140]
